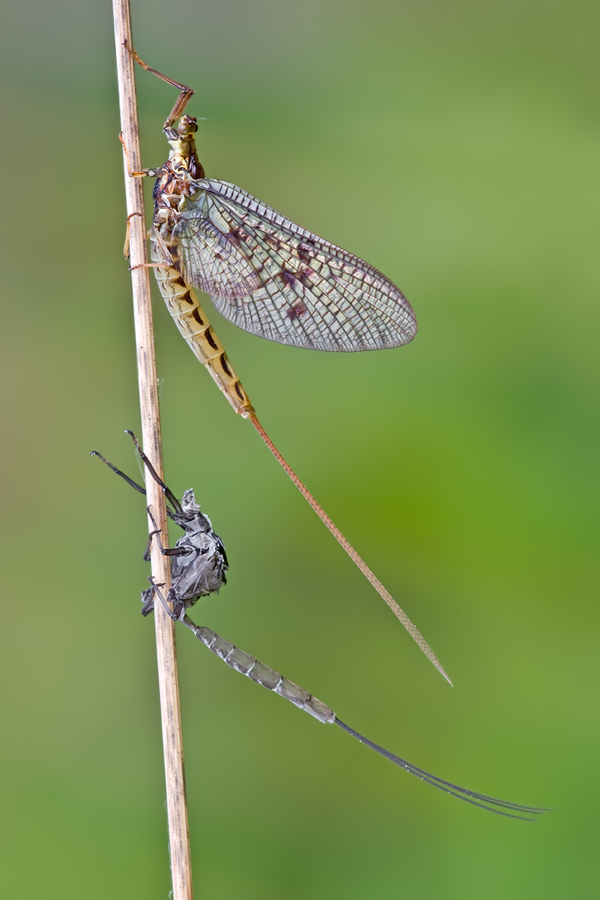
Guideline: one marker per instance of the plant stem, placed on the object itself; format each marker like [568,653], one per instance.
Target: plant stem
[148,387]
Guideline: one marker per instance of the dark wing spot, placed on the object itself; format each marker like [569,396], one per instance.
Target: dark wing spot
[306,250]
[289,278]
[296,310]
[239,234]
[233,237]
[305,276]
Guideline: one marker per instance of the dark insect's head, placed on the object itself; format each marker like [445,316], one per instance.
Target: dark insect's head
[190,518]
[188,503]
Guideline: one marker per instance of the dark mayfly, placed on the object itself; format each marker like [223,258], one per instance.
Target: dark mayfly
[271,277]
[198,559]
[198,568]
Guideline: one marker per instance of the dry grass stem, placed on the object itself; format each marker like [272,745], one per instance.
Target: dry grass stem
[148,387]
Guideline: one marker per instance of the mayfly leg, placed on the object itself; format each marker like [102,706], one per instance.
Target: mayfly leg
[129,217]
[184,97]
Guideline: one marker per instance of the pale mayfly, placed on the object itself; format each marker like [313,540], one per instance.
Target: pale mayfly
[269,276]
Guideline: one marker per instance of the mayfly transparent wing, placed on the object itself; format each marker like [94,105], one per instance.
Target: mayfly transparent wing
[212,257]
[274,279]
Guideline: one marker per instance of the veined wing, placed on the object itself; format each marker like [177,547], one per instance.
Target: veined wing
[277,280]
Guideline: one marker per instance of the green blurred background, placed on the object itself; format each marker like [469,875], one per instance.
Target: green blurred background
[452,145]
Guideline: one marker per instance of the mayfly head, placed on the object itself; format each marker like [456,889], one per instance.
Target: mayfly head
[187,125]
[183,157]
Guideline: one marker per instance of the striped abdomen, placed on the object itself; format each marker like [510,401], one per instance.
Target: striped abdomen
[193,324]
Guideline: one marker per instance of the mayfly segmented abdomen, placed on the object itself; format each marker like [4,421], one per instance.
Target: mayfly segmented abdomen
[194,326]
[248,665]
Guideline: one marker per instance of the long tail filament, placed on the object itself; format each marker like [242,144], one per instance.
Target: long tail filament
[358,560]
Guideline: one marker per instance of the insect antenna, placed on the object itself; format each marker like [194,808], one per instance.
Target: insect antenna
[481,800]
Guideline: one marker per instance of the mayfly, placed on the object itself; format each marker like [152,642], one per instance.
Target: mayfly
[198,559]
[198,568]
[269,276]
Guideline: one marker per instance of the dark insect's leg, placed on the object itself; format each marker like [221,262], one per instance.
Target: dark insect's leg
[138,487]
[182,101]
[129,481]
[174,551]
[148,601]
[141,490]
[166,491]
[151,535]
[149,545]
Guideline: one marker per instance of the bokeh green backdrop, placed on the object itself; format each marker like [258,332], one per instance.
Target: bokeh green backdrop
[452,145]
